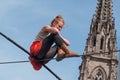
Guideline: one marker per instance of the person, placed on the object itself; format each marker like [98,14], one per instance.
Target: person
[43,46]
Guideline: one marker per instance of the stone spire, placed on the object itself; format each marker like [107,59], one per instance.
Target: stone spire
[104,10]
[102,42]
[102,36]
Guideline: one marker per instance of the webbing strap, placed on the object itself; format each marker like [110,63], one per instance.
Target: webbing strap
[16,44]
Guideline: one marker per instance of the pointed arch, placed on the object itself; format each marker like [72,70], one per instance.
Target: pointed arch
[98,73]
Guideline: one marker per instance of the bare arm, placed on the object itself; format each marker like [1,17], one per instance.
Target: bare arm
[56,31]
[50,29]
[65,40]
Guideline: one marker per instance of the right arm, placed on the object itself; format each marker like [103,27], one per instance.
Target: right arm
[49,29]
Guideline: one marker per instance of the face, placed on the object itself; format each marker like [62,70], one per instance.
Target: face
[58,25]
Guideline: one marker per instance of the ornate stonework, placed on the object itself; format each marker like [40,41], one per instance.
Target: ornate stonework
[100,62]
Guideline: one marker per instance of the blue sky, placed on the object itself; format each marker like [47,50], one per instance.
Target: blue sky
[21,20]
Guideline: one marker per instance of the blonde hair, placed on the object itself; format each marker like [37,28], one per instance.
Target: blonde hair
[58,18]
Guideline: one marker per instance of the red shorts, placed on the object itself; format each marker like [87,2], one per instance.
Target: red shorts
[35,47]
[34,50]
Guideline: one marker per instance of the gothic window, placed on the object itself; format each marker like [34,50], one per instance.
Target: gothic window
[108,44]
[96,27]
[101,43]
[94,40]
[109,27]
[98,74]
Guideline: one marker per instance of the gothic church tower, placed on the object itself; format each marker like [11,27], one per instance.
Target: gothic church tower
[100,61]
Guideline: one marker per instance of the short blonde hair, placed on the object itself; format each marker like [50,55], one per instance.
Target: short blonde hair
[58,18]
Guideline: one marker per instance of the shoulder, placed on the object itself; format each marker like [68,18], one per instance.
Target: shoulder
[46,28]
